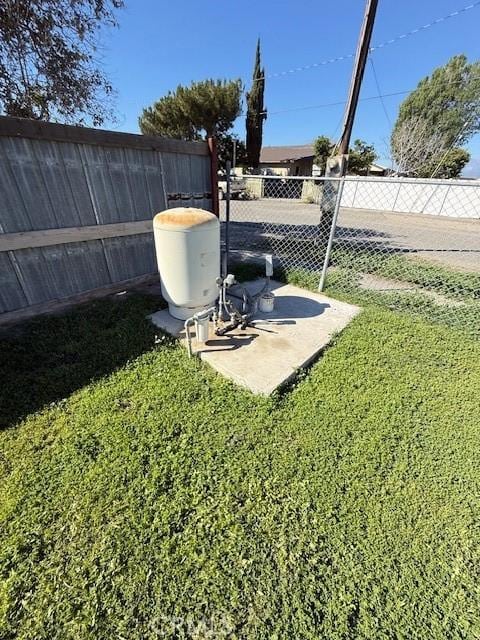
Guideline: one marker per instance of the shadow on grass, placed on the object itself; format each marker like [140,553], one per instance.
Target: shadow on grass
[45,360]
[358,250]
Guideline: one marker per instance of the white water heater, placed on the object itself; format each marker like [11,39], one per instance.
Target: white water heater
[187,244]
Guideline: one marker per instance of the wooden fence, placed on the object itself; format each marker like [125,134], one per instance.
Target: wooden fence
[76,209]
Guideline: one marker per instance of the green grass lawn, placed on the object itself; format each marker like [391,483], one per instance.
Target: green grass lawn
[458,307]
[458,285]
[143,496]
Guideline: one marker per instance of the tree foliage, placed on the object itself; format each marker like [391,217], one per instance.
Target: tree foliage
[434,120]
[450,164]
[48,66]
[256,113]
[360,157]
[322,149]
[225,143]
[206,108]
[168,117]
[414,144]
[448,101]
[423,153]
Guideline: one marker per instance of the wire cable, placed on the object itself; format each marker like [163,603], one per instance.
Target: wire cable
[381,45]
[377,84]
[335,104]
[342,102]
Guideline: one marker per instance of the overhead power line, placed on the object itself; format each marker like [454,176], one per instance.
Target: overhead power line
[381,45]
[336,104]
[342,102]
[377,84]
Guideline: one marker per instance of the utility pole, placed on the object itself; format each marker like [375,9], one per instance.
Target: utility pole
[337,165]
[340,161]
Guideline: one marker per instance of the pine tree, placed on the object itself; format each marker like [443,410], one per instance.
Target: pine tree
[256,113]
[206,108]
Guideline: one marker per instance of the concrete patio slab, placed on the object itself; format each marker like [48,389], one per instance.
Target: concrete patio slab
[266,355]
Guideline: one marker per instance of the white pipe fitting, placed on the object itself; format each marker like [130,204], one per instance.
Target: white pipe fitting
[201,329]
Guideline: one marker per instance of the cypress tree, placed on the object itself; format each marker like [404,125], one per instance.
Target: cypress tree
[256,113]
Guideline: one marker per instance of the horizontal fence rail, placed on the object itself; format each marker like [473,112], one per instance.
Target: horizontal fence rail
[49,237]
[450,198]
[77,204]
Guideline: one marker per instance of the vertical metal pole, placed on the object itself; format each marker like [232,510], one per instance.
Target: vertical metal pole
[321,284]
[212,146]
[228,169]
[234,159]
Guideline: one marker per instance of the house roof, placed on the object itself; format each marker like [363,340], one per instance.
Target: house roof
[286,154]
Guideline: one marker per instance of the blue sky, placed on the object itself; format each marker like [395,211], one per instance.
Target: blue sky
[161,44]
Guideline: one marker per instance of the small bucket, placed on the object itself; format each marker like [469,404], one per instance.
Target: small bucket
[266,303]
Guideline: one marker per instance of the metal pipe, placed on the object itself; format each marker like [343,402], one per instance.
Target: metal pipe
[229,327]
[187,325]
[251,298]
[321,284]
[227,220]
[201,315]
[290,178]
[212,147]
[379,180]
[402,180]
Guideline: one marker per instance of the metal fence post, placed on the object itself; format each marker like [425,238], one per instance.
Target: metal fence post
[227,219]
[212,146]
[321,284]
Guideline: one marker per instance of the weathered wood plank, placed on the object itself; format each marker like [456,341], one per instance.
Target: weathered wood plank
[25,128]
[50,237]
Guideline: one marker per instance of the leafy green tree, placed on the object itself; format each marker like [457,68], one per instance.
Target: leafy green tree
[256,113]
[441,114]
[447,165]
[206,108]
[48,66]
[322,149]
[360,157]
[225,144]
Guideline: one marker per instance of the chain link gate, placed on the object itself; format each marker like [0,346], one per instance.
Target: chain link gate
[281,216]
[406,244]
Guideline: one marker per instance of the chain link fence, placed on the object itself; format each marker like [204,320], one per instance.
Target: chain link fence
[271,214]
[405,244]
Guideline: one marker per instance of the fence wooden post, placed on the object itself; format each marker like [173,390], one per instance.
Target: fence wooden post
[212,146]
